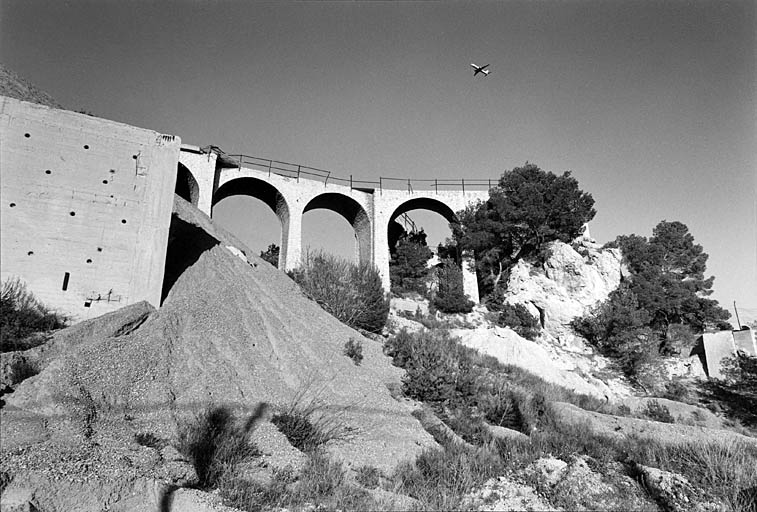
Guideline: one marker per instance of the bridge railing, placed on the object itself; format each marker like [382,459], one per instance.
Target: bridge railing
[298,171]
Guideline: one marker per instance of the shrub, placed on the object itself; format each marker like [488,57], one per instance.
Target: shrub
[437,370]
[215,446]
[450,297]
[657,412]
[354,350]
[368,476]
[407,268]
[517,317]
[271,255]
[306,423]
[21,315]
[353,293]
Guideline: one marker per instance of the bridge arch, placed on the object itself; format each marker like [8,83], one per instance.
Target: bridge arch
[354,213]
[266,193]
[186,185]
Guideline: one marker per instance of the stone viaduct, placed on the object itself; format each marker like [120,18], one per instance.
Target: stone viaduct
[208,176]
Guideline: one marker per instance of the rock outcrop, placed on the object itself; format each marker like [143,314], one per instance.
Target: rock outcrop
[570,282]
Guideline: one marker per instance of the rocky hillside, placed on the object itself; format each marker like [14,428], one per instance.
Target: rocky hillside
[232,331]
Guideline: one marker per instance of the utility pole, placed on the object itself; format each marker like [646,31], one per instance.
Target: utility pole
[737,316]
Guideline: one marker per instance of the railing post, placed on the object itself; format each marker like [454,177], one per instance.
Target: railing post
[408,186]
[270,163]
[381,185]
[490,183]
[436,185]
[240,162]
[350,181]
[325,182]
[298,173]
[463,182]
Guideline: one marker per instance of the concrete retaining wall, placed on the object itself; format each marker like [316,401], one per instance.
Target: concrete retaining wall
[85,207]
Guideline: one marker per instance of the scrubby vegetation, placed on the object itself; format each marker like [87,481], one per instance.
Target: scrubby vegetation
[271,255]
[518,318]
[408,272]
[468,390]
[22,315]
[354,350]
[450,296]
[353,293]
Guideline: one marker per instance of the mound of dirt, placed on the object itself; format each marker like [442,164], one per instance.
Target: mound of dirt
[14,86]
[232,331]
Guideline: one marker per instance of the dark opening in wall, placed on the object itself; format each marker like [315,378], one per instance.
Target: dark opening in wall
[72,214]
[30,253]
[87,303]
[99,249]
[186,185]
[48,171]
[66,276]
[27,135]
[86,146]
[12,205]
[186,242]
[123,221]
[89,260]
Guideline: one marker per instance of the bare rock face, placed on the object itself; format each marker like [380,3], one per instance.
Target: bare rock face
[509,348]
[567,286]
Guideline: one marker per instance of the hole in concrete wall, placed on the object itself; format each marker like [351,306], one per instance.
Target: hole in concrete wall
[87,303]
[86,146]
[72,214]
[112,171]
[123,221]
[12,205]
[89,260]
[65,281]
[99,249]
[30,253]
[48,171]
[27,135]
[134,157]
[105,182]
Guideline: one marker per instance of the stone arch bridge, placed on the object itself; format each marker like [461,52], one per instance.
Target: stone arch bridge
[206,176]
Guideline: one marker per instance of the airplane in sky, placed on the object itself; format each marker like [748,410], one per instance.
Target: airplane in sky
[480,69]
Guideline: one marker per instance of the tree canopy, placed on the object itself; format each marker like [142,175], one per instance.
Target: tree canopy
[408,269]
[667,277]
[527,209]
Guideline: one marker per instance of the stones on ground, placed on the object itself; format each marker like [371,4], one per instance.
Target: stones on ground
[674,492]
[504,494]
[505,434]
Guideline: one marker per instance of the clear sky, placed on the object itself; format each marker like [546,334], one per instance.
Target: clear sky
[650,104]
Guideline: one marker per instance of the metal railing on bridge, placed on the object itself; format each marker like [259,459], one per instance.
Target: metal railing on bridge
[298,171]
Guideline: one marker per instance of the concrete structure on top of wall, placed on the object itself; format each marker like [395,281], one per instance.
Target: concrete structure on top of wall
[370,211]
[744,341]
[86,207]
[717,346]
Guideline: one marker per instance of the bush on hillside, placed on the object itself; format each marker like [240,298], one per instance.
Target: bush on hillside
[271,255]
[517,317]
[353,293]
[22,315]
[450,296]
[407,267]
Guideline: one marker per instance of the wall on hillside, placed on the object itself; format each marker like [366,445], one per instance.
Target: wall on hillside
[85,207]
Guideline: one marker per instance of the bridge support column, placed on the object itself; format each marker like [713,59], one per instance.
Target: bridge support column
[381,251]
[291,241]
[470,283]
